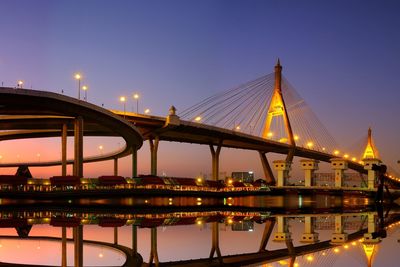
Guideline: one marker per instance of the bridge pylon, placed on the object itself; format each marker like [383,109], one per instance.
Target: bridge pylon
[370,158]
[277,108]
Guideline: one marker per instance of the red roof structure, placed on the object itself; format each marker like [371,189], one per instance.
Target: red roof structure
[13,180]
[111,180]
[65,180]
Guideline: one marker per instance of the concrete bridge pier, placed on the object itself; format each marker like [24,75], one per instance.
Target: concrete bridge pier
[268,228]
[215,160]
[309,236]
[372,175]
[115,166]
[269,176]
[64,134]
[309,166]
[78,245]
[215,243]
[339,236]
[282,167]
[134,240]
[78,147]
[115,235]
[153,250]
[368,237]
[153,152]
[339,165]
[64,246]
[283,233]
[134,162]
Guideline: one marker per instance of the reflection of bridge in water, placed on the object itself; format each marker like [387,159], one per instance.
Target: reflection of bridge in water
[349,226]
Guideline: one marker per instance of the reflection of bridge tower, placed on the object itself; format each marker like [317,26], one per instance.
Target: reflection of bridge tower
[370,250]
[309,236]
[283,233]
[215,243]
[370,157]
[339,236]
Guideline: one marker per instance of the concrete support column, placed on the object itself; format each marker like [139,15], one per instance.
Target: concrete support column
[309,166]
[283,233]
[115,235]
[339,165]
[339,236]
[282,167]
[134,162]
[78,147]
[269,226]
[64,134]
[372,175]
[309,236]
[269,176]
[215,160]
[115,166]
[215,242]
[134,240]
[368,237]
[64,247]
[153,251]
[78,246]
[153,151]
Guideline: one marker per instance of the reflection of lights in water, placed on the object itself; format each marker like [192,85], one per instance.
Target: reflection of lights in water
[353,243]
[336,250]
[346,246]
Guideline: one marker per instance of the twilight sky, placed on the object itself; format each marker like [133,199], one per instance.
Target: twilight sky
[341,56]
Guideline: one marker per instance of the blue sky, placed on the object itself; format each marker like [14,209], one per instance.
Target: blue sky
[341,56]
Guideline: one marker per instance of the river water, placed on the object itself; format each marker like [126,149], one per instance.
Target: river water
[251,231]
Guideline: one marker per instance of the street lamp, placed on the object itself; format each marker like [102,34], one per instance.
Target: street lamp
[78,77]
[20,83]
[123,100]
[136,96]
[85,88]
[101,149]
[147,111]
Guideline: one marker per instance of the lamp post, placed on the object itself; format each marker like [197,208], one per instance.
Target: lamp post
[85,88]
[78,77]
[123,100]
[147,111]
[20,83]
[136,96]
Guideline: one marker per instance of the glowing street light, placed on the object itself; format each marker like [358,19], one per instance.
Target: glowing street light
[20,83]
[270,134]
[123,100]
[101,149]
[296,137]
[85,88]
[136,97]
[147,111]
[198,119]
[237,128]
[310,145]
[78,77]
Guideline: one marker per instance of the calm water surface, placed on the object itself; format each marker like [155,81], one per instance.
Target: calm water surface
[252,231]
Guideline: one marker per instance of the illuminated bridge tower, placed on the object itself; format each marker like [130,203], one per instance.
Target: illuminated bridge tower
[371,157]
[276,110]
